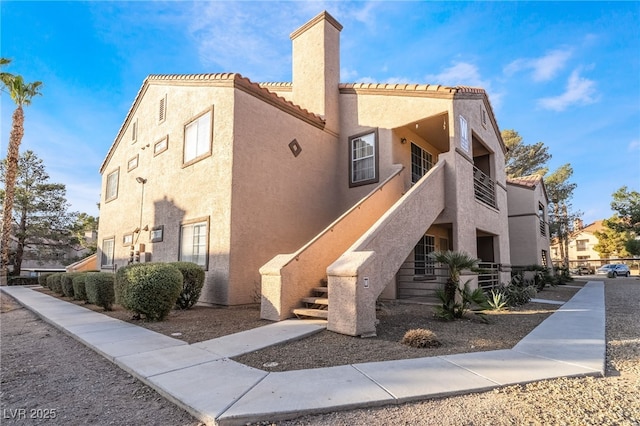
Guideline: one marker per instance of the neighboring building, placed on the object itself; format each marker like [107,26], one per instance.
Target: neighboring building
[528,221]
[581,243]
[273,187]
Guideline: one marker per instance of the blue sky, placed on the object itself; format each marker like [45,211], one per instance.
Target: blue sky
[566,73]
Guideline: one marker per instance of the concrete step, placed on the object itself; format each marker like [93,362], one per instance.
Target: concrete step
[321,290]
[313,313]
[316,300]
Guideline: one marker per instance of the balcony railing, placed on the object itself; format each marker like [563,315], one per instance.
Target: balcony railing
[543,228]
[484,188]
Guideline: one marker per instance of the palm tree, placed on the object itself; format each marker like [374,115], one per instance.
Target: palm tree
[21,93]
[456,262]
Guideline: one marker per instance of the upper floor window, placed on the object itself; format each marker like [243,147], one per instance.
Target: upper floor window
[106,259]
[132,163]
[581,245]
[543,226]
[112,185]
[421,162]
[363,163]
[134,131]
[464,134]
[197,138]
[193,243]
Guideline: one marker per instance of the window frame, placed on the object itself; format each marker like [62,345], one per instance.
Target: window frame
[426,164]
[193,223]
[134,131]
[206,153]
[135,158]
[464,133]
[156,238]
[376,158]
[157,151]
[107,197]
[104,257]
[127,239]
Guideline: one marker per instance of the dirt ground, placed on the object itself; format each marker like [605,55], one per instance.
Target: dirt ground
[43,369]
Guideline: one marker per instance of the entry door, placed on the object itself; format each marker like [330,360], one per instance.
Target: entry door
[421,162]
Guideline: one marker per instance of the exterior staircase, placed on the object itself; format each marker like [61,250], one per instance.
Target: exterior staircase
[316,306]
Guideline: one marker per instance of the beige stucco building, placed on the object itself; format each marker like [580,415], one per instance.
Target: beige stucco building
[529,236]
[581,243]
[276,187]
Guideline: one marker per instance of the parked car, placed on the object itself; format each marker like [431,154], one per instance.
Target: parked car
[613,270]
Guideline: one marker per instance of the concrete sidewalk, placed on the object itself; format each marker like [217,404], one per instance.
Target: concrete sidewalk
[203,380]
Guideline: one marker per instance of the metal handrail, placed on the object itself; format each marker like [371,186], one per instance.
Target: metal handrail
[484,188]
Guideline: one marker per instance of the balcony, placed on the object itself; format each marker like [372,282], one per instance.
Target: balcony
[484,188]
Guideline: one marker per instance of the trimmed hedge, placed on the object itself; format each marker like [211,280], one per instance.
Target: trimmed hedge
[42,279]
[149,289]
[54,282]
[99,287]
[79,288]
[67,283]
[192,282]
[22,280]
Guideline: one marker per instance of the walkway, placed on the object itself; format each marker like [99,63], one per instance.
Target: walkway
[203,380]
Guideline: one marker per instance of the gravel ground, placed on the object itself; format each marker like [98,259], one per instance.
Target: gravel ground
[43,369]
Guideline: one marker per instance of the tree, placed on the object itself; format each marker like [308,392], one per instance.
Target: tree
[524,160]
[561,217]
[85,225]
[42,226]
[21,93]
[612,242]
[626,203]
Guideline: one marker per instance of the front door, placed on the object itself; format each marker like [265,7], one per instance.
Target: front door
[421,162]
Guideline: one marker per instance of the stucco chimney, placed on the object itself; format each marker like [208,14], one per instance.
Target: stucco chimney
[316,68]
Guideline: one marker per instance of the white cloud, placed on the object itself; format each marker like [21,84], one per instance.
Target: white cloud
[579,91]
[543,68]
[459,74]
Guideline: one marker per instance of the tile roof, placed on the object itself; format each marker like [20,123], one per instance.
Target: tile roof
[530,181]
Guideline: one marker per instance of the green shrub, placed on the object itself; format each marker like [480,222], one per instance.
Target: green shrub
[122,283]
[99,287]
[192,282]
[497,300]
[79,288]
[149,289]
[42,279]
[54,282]
[67,283]
[22,280]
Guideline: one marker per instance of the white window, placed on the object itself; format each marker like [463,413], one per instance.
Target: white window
[127,239]
[193,243]
[363,159]
[161,146]
[421,162]
[197,138]
[112,185]
[107,253]
[132,164]
[464,134]
[134,131]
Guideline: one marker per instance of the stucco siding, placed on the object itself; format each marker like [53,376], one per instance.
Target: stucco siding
[280,201]
[174,194]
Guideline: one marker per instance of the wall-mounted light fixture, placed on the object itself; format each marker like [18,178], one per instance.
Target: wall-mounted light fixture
[403,141]
[141,180]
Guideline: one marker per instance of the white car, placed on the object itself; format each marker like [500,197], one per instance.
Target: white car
[614,270]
